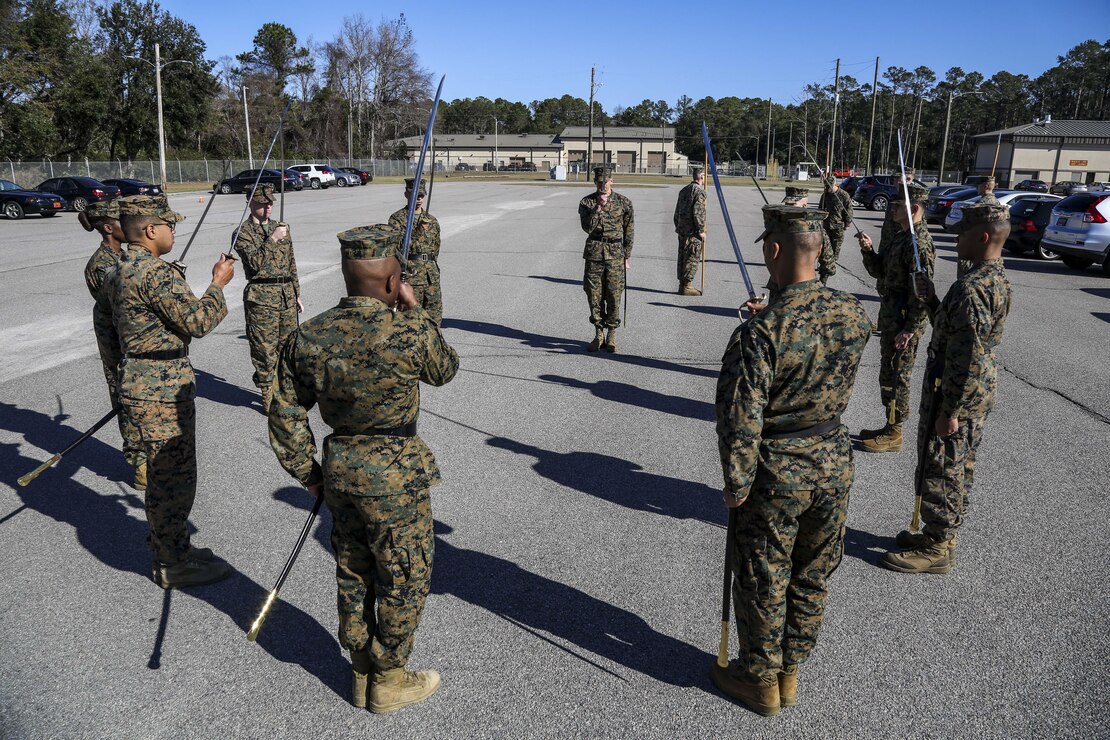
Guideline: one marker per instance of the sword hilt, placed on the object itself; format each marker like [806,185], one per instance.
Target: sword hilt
[39,470]
[722,649]
[256,626]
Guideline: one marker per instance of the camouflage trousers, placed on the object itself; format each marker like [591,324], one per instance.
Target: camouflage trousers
[946,469]
[429,298]
[383,567]
[689,258]
[604,284]
[830,253]
[787,544]
[132,440]
[168,432]
[896,369]
[267,328]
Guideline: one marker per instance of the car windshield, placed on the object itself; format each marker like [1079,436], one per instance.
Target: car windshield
[9,185]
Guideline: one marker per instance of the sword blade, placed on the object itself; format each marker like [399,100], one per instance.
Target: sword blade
[909,210]
[420,171]
[724,211]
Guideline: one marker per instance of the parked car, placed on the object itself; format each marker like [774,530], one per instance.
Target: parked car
[128,186]
[1036,186]
[463,167]
[875,192]
[318,175]
[1028,219]
[245,180]
[342,177]
[489,167]
[78,192]
[849,184]
[1067,187]
[936,208]
[1079,230]
[1005,197]
[16,202]
[294,179]
[363,176]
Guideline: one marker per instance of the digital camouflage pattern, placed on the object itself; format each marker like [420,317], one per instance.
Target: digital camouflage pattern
[839,207]
[967,326]
[899,310]
[610,234]
[794,194]
[689,224]
[102,260]
[270,309]
[790,367]
[362,364]
[154,310]
[422,270]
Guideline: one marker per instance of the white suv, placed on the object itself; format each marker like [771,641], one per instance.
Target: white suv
[318,175]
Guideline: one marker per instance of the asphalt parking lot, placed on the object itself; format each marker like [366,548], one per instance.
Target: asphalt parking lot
[580,532]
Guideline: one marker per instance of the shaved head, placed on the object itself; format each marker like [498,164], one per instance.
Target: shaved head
[375,278]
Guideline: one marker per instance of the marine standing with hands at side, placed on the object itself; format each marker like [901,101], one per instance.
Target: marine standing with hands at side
[689,224]
[609,223]
[156,315]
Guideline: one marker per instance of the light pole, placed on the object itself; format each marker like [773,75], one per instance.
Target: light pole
[947,121]
[247,119]
[158,66]
[496,160]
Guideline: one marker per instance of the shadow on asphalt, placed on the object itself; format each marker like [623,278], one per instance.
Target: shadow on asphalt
[578,283]
[634,396]
[1017,265]
[568,346]
[214,388]
[731,313]
[106,526]
[1099,292]
[866,546]
[1103,316]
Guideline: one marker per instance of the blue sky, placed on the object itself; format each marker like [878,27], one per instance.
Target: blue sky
[526,50]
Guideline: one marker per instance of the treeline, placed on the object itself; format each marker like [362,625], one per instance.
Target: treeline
[77,80]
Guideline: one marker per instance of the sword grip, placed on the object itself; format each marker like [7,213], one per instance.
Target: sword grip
[261,619]
[39,470]
[722,649]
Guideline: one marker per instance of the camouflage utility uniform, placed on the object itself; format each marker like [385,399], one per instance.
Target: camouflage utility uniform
[423,266]
[610,234]
[363,363]
[839,207]
[270,296]
[786,377]
[689,224]
[156,315]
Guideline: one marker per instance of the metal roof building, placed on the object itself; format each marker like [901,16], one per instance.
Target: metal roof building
[1048,150]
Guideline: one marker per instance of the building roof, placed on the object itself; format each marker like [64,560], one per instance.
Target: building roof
[619,132]
[1050,132]
[485,141]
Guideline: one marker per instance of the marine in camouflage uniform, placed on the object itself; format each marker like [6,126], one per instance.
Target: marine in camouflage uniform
[156,315]
[958,391]
[786,377]
[104,217]
[838,204]
[272,296]
[986,198]
[362,363]
[889,228]
[899,311]
[689,224]
[423,265]
[609,223]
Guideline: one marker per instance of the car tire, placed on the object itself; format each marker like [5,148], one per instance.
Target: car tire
[14,211]
[79,204]
[342,182]
[314,184]
[1044,254]
[1076,263]
[50,214]
[879,203]
[225,189]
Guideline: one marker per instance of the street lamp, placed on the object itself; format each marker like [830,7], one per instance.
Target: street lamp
[158,67]
[496,161]
[247,121]
[947,121]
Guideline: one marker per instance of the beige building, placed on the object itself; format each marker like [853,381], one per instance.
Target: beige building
[1053,151]
[482,151]
[629,148]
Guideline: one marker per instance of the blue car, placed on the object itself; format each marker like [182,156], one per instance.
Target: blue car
[16,202]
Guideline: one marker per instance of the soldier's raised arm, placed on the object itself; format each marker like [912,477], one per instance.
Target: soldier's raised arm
[172,299]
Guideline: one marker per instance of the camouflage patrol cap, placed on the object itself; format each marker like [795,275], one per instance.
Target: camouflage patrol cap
[262,194]
[918,193]
[370,242]
[790,220]
[411,181]
[148,205]
[988,180]
[829,181]
[103,209]
[794,194]
[980,214]
[602,174]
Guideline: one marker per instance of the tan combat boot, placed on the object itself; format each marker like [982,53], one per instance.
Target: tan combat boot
[361,669]
[761,698]
[610,341]
[599,337]
[688,289]
[139,484]
[888,440]
[396,688]
[935,557]
[788,686]
[908,540]
[871,433]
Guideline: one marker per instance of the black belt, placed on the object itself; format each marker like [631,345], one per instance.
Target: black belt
[405,430]
[270,281]
[814,431]
[422,257]
[607,241]
[166,354]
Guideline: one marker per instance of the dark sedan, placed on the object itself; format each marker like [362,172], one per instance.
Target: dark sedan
[16,202]
[1033,186]
[872,192]
[363,175]
[128,186]
[245,180]
[78,192]
[1028,219]
[940,203]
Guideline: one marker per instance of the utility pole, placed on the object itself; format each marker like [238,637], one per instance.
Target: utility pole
[871,131]
[790,150]
[161,127]
[767,156]
[247,118]
[917,134]
[836,110]
[944,144]
[590,134]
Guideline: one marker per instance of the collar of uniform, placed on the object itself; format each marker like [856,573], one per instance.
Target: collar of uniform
[985,263]
[362,301]
[799,287]
[136,252]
